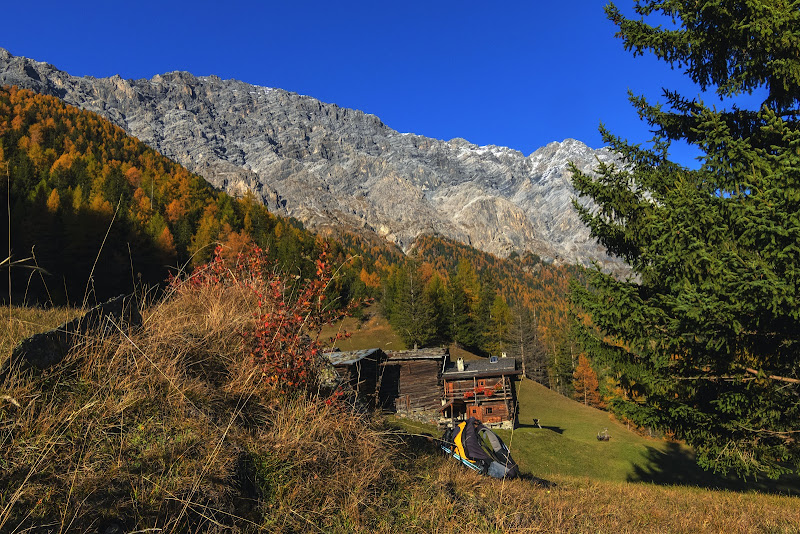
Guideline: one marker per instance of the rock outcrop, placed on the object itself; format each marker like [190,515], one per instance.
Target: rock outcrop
[327,165]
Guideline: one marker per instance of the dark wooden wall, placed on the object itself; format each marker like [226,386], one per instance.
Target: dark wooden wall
[410,386]
[363,378]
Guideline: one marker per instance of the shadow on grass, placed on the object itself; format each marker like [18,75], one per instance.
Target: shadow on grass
[556,429]
[536,481]
[677,466]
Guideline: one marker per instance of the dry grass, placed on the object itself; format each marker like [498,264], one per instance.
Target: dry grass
[169,429]
[20,322]
[373,332]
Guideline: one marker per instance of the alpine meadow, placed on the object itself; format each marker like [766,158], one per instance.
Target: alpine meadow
[229,307]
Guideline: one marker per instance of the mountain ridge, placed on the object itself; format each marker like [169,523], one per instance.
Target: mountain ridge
[328,166]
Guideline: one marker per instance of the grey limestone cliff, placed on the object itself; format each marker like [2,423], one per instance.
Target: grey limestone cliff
[331,166]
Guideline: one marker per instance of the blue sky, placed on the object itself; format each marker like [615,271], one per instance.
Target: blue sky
[517,73]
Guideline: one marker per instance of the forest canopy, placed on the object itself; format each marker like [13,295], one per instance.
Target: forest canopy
[99,212]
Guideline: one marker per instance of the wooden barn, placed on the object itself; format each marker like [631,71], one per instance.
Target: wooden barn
[361,369]
[483,389]
[411,383]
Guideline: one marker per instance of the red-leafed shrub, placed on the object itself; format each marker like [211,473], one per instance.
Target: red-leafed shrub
[290,313]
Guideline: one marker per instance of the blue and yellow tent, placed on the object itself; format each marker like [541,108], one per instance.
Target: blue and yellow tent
[480,449]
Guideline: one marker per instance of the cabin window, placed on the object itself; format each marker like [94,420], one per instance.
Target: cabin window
[488,410]
[481,382]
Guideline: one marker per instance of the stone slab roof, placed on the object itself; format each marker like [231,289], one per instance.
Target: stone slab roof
[503,366]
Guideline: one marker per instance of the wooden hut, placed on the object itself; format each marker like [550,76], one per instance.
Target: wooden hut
[411,382]
[483,389]
[360,369]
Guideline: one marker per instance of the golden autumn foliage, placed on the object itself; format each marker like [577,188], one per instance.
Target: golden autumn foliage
[521,281]
[114,202]
[370,279]
[586,384]
[53,201]
[166,242]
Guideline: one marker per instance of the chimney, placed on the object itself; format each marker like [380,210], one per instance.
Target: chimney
[460,364]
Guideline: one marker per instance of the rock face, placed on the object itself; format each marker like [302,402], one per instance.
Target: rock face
[327,165]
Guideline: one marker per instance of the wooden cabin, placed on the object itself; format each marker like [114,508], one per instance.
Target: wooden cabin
[483,389]
[361,370]
[411,383]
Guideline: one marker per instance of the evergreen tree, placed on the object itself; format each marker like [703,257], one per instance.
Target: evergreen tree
[438,295]
[562,365]
[486,337]
[412,312]
[499,326]
[465,306]
[707,330]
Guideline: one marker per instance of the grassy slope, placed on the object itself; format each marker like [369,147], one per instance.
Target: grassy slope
[567,445]
[567,442]
[376,331]
[315,469]
[373,332]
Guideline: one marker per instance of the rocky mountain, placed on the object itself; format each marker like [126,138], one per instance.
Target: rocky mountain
[329,166]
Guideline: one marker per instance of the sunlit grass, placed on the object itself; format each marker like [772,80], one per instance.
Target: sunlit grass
[20,322]
[373,332]
[166,428]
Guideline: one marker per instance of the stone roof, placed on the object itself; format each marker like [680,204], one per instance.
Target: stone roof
[503,366]
[433,353]
[352,356]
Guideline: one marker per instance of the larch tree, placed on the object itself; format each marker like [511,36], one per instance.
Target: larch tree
[586,386]
[525,345]
[706,330]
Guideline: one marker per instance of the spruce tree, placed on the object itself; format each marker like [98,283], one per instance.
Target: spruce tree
[706,330]
[437,294]
[499,330]
[413,313]
[465,307]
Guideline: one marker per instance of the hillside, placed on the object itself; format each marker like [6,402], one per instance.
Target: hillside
[103,213]
[567,445]
[170,428]
[523,281]
[330,166]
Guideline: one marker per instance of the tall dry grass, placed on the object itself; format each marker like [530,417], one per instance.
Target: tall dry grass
[169,428]
[19,322]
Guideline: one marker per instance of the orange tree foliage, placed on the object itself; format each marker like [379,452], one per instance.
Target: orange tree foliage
[585,383]
[102,211]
